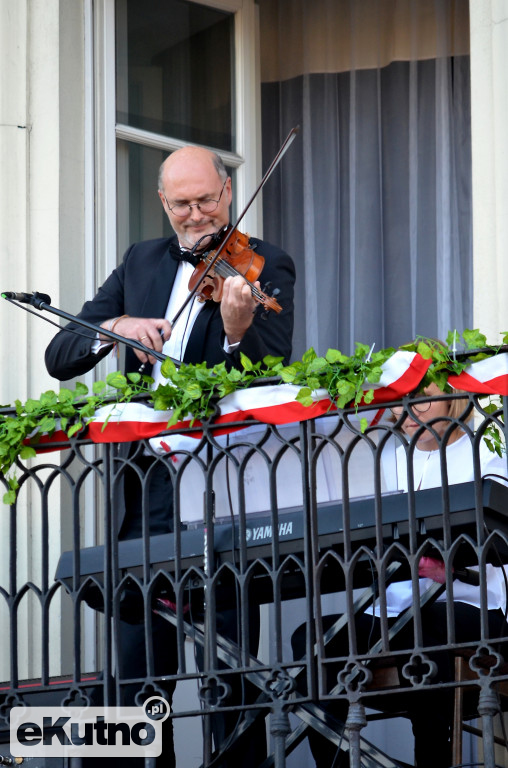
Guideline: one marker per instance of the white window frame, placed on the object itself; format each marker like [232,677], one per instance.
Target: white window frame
[103,168]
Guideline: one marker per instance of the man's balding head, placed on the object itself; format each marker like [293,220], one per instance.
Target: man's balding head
[187,155]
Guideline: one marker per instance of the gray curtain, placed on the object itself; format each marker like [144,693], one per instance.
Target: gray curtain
[373,199]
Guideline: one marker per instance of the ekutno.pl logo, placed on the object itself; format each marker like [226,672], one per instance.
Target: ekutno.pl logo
[90,732]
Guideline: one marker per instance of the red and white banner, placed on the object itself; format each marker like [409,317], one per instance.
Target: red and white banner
[486,377]
[273,404]
[277,404]
[401,374]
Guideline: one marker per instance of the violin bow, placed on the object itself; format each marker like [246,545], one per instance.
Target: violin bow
[273,165]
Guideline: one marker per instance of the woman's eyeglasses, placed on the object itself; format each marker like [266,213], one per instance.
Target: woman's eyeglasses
[417,407]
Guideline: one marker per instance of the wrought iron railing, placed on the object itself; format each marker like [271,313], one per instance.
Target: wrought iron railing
[311,511]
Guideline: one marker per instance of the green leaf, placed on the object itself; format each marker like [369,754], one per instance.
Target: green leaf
[453,339]
[424,350]
[87,411]
[47,424]
[333,356]
[363,424]
[27,452]
[271,362]
[9,497]
[382,355]
[134,377]
[202,375]
[343,401]
[225,388]
[345,387]
[161,403]
[308,356]
[304,396]
[32,405]
[440,378]
[13,483]
[193,390]
[288,375]
[246,363]
[98,386]
[313,382]
[81,389]
[116,380]
[48,399]
[168,368]
[374,375]
[75,428]
[361,350]
[234,375]
[174,419]
[317,365]
[474,338]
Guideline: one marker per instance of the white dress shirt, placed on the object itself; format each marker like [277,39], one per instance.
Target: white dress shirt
[176,344]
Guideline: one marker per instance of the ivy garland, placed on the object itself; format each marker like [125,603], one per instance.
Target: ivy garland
[192,389]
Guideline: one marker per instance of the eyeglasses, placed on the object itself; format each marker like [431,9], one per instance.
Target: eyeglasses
[418,407]
[205,206]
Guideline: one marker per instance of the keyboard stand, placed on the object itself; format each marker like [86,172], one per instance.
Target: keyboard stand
[363,601]
[311,715]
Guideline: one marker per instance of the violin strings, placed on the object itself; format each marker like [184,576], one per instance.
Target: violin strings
[225,269]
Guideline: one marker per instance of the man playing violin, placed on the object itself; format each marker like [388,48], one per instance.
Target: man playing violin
[141,296]
[138,301]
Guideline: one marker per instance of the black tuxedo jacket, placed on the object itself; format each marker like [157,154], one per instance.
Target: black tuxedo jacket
[141,287]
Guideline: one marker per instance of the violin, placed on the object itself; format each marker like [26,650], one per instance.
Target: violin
[236,257]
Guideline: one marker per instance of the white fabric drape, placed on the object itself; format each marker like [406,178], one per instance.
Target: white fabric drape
[373,200]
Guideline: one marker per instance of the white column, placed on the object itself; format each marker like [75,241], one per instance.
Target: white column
[14,160]
[42,239]
[29,194]
[489,92]
[43,221]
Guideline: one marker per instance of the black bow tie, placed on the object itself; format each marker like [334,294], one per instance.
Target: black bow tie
[180,254]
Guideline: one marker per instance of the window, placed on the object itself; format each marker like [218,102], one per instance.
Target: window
[177,76]
[174,71]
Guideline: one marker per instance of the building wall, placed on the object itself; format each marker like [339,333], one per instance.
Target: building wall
[41,157]
[41,226]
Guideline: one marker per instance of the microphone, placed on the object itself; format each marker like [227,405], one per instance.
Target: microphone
[25,298]
[28,298]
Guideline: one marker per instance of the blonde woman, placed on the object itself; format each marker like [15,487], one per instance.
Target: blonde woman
[428,425]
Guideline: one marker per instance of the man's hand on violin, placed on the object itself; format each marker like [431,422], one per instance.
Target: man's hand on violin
[237,307]
[152,332]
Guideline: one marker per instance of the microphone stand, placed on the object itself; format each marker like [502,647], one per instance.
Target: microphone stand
[42,301]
